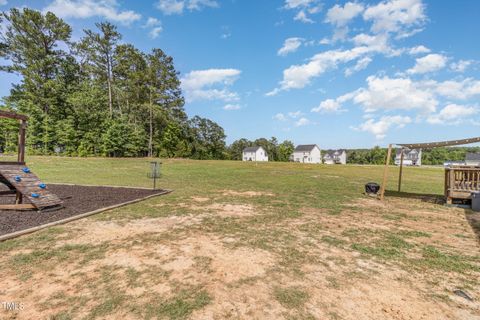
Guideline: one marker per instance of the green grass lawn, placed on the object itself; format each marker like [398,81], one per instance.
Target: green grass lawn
[308,228]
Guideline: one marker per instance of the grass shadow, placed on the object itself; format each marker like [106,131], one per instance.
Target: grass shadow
[429,198]
[473,219]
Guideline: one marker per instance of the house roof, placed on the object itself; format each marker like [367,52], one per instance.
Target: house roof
[305,147]
[251,149]
[407,151]
[331,153]
[472,156]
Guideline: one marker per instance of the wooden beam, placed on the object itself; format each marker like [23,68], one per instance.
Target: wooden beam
[401,171]
[23,206]
[428,145]
[9,163]
[12,115]
[385,172]
[21,141]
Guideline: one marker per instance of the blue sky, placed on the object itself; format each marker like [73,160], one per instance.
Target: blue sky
[342,74]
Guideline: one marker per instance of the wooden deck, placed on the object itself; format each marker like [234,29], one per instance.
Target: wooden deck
[461,181]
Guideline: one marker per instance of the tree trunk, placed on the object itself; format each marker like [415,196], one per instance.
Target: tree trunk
[150,138]
[109,83]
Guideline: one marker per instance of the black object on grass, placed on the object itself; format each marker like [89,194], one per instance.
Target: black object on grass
[372,188]
[462,294]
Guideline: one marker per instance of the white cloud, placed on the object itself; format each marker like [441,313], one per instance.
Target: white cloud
[303,8]
[328,106]
[461,65]
[230,107]
[398,16]
[379,128]
[452,114]
[293,4]
[302,17]
[360,65]
[170,7]
[393,93]
[299,76]
[290,45]
[452,89]
[151,22]
[155,26]
[295,114]
[418,50]
[341,16]
[280,117]
[429,63]
[302,122]
[210,84]
[155,32]
[83,9]
[3,2]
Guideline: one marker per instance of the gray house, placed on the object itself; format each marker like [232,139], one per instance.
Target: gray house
[335,157]
[472,159]
[411,157]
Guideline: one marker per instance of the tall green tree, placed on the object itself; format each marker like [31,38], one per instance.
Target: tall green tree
[31,43]
[164,93]
[97,51]
[285,149]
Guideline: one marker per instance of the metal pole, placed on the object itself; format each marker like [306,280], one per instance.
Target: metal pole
[400,174]
[385,172]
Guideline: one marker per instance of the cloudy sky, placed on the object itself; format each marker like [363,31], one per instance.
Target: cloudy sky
[336,73]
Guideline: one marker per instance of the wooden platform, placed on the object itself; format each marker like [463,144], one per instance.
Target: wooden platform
[461,181]
[28,185]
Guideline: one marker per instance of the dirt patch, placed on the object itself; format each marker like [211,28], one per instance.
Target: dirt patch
[200,199]
[225,265]
[77,200]
[245,193]
[92,231]
[232,210]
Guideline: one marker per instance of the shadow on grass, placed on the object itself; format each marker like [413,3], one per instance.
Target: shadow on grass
[473,219]
[430,198]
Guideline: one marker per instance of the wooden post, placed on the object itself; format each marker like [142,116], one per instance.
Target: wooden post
[21,152]
[400,173]
[21,141]
[385,172]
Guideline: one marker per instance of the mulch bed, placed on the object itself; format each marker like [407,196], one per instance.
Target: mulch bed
[76,200]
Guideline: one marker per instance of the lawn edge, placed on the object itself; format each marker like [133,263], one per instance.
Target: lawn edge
[80,216]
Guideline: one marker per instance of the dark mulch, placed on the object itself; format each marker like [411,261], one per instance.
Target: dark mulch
[77,200]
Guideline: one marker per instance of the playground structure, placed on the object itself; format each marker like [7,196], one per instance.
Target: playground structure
[19,180]
[460,181]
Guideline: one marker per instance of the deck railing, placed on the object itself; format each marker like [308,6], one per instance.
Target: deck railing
[461,181]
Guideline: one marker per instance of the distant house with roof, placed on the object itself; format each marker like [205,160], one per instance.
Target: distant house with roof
[411,157]
[335,157]
[472,159]
[307,153]
[254,154]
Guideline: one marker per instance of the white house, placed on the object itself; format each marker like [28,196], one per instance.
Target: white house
[254,154]
[472,159]
[307,153]
[335,157]
[411,157]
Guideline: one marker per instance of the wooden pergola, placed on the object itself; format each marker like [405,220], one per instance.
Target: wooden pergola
[427,145]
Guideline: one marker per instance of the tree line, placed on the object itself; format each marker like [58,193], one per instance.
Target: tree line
[434,156]
[96,96]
